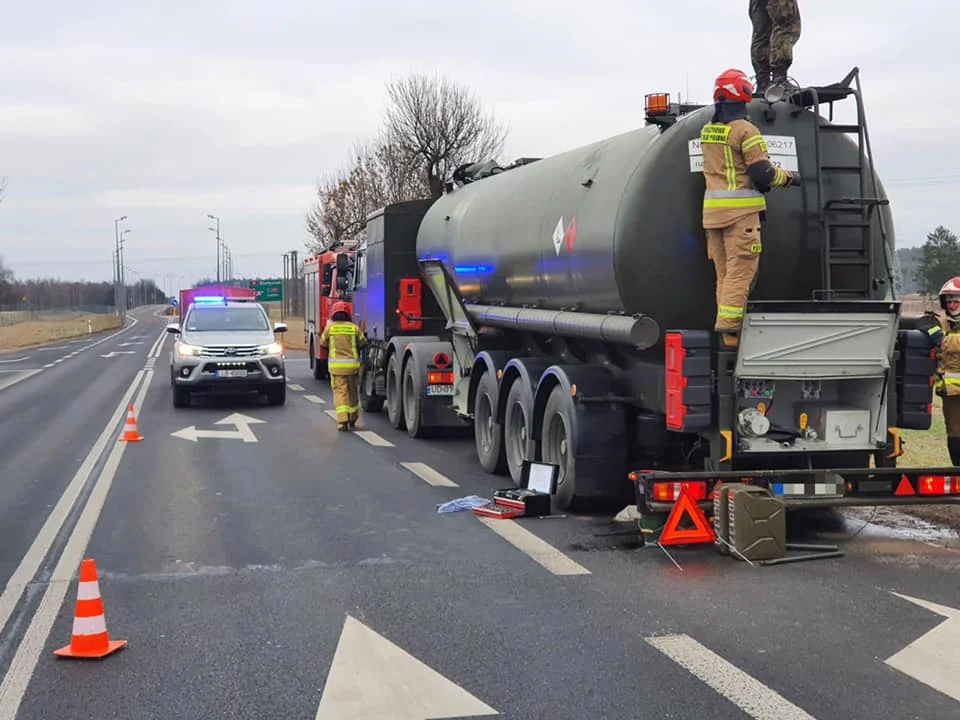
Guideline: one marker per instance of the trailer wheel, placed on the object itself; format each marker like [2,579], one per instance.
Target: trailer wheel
[394,394]
[518,413]
[369,401]
[558,444]
[411,403]
[487,432]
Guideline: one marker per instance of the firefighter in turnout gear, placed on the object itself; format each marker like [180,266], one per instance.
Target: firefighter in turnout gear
[943,332]
[343,341]
[738,172]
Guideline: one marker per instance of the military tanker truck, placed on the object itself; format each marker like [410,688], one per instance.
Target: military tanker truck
[563,307]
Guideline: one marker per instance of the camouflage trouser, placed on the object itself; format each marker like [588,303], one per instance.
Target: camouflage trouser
[776,29]
[735,251]
[346,397]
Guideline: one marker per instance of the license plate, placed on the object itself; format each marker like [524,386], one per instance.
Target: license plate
[231,373]
[439,389]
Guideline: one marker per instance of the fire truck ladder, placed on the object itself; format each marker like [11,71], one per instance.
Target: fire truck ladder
[848,267]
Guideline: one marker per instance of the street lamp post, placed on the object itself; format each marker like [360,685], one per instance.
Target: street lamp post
[119,265]
[217,231]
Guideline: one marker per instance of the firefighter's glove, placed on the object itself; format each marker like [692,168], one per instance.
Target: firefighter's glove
[795,179]
[762,188]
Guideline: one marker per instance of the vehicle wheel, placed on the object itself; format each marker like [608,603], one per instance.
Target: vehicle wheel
[411,404]
[394,393]
[319,369]
[487,432]
[369,402]
[181,397]
[558,445]
[277,394]
[516,429]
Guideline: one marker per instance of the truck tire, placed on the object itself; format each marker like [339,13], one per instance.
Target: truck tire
[369,400]
[411,403]
[394,393]
[517,416]
[487,432]
[558,444]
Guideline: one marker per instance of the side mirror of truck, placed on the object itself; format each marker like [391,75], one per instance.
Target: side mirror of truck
[344,264]
[173,328]
[279,327]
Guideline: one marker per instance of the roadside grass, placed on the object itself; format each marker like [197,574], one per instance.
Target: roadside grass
[30,333]
[293,339]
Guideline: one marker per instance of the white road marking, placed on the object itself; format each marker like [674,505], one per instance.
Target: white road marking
[371,678]
[316,399]
[539,550]
[371,437]
[4,384]
[19,359]
[331,413]
[295,386]
[750,695]
[932,658]
[24,662]
[428,474]
[41,544]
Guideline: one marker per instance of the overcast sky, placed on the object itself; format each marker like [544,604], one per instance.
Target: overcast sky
[169,112]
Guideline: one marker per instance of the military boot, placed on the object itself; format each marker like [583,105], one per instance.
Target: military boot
[763,82]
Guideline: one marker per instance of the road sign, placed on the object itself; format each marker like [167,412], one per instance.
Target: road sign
[370,677]
[242,424]
[268,290]
[932,658]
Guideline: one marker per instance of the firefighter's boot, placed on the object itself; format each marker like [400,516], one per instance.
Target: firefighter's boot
[953,446]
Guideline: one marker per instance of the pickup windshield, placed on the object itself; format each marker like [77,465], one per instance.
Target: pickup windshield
[226,319]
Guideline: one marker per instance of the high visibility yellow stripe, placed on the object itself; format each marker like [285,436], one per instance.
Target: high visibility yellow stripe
[754,141]
[730,312]
[731,168]
[343,330]
[753,202]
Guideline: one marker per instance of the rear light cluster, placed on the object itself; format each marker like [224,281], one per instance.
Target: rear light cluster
[436,377]
[670,491]
[938,485]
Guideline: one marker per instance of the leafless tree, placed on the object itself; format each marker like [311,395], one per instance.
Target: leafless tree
[378,176]
[439,125]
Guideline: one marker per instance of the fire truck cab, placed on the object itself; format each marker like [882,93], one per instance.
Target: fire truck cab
[326,279]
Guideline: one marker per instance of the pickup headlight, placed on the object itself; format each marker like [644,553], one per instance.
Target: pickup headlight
[188,350]
[271,349]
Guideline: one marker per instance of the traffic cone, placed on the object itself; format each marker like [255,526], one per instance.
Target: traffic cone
[130,433]
[90,637]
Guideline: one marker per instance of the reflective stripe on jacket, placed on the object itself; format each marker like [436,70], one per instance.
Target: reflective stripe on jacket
[344,340]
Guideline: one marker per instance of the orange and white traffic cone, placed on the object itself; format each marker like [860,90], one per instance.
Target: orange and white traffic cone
[90,637]
[130,433]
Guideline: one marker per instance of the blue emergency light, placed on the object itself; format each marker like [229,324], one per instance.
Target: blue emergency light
[199,299]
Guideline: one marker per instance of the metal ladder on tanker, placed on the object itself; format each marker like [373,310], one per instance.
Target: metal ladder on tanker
[847,262]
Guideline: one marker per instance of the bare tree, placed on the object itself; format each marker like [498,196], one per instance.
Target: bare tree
[378,176]
[439,125]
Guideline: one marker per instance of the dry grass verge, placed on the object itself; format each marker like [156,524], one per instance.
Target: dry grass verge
[31,333]
[293,338]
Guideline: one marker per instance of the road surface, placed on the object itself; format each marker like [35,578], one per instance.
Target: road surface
[262,565]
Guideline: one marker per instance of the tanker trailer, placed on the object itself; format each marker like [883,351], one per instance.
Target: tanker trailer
[578,305]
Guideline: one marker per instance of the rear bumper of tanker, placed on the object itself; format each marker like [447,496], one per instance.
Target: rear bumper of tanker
[658,491]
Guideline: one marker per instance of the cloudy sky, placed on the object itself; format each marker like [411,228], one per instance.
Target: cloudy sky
[165,112]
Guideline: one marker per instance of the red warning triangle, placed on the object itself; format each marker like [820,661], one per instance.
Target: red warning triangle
[673,535]
[904,488]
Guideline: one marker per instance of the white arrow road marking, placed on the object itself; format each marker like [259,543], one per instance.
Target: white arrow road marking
[114,353]
[932,658]
[20,359]
[371,678]
[750,695]
[242,432]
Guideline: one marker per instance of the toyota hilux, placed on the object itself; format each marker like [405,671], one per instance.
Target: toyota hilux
[226,346]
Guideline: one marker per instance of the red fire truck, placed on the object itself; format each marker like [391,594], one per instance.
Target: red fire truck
[325,281]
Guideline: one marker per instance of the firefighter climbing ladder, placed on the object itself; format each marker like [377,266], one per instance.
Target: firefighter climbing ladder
[848,268]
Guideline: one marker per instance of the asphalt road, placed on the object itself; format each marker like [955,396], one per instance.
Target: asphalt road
[308,574]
